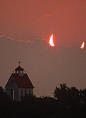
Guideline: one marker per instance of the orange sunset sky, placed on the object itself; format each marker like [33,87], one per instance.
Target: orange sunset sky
[25,29]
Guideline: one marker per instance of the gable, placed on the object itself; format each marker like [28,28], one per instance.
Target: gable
[11,83]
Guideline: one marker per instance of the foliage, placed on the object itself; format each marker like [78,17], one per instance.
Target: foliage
[67,97]
[3,95]
[68,103]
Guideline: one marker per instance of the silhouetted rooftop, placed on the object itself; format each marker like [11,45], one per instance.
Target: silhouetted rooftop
[23,81]
[19,68]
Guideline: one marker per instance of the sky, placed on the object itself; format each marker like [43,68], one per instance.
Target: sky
[25,30]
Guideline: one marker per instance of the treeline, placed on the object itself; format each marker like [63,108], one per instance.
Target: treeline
[66,103]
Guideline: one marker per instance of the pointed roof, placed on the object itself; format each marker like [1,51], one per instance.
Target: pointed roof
[19,68]
[23,82]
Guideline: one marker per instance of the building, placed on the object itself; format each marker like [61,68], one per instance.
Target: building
[19,84]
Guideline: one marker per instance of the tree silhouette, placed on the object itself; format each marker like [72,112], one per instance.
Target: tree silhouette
[83,96]
[3,95]
[69,102]
[67,97]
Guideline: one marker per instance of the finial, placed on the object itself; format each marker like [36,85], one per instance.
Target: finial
[19,63]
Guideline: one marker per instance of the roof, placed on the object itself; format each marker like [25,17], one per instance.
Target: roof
[19,68]
[23,81]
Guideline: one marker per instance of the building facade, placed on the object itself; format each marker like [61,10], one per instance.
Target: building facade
[19,84]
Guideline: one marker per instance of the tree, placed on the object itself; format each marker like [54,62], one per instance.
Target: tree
[67,97]
[83,96]
[61,92]
[3,95]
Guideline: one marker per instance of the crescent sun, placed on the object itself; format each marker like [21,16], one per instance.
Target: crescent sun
[51,41]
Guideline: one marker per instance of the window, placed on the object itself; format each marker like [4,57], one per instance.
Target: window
[21,93]
[29,92]
[25,92]
[12,94]
[21,72]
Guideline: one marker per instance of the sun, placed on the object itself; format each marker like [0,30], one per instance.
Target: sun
[82,45]
[51,41]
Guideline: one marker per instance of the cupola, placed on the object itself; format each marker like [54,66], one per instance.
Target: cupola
[19,70]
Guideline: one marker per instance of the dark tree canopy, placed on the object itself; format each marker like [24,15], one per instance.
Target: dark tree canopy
[69,97]
[3,95]
[69,102]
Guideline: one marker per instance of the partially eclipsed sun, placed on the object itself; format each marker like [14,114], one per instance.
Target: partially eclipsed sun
[51,41]
[82,45]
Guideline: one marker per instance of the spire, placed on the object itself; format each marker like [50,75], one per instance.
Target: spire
[19,67]
[19,63]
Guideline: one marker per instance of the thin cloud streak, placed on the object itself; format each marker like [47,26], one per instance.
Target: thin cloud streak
[25,40]
[32,41]
[46,15]
[42,39]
